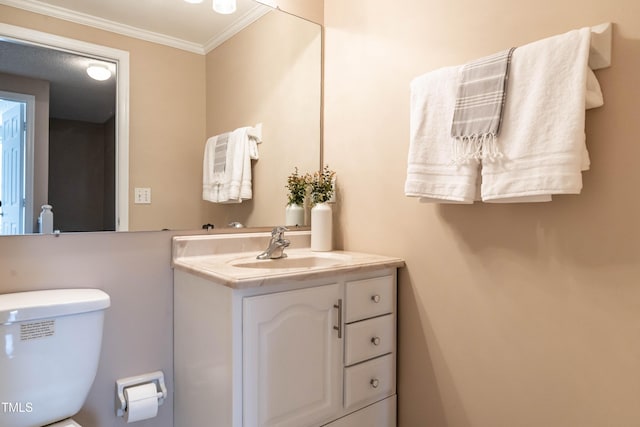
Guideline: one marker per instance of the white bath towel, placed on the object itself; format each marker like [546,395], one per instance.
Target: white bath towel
[229,181]
[431,173]
[542,137]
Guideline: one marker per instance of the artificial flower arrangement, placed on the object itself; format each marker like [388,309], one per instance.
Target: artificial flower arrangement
[297,185]
[319,186]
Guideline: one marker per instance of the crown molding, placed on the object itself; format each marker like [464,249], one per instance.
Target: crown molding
[245,20]
[104,24]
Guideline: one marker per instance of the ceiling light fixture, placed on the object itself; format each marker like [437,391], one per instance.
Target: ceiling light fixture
[224,7]
[98,72]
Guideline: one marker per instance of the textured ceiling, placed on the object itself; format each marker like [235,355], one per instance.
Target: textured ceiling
[73,94]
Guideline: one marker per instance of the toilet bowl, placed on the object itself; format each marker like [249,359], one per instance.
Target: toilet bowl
[50,345]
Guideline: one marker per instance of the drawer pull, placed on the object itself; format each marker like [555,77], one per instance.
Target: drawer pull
[375,340]
[339,327]
[374,382]
[375,298]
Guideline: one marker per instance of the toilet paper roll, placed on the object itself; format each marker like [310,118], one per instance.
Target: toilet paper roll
[142,402]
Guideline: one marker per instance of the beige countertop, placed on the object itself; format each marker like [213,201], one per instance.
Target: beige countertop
[240,270]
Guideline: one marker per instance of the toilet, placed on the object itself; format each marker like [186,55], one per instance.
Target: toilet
[49,351]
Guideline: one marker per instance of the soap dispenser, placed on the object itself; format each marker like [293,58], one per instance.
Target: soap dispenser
[45,220]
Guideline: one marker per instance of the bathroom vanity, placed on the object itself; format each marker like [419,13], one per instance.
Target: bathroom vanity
[304,341]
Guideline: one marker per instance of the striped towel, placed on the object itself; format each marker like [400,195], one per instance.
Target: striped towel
[220,157]
[480,99]
[215,167]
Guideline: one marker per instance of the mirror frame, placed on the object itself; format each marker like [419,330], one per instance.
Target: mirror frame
[121,59]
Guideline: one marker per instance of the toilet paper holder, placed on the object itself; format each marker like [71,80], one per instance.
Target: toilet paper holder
[155,377]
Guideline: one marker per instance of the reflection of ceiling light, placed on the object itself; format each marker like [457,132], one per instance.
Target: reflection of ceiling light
[224,6]
[98,72]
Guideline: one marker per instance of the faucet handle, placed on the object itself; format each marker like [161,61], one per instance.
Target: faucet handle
[278,232]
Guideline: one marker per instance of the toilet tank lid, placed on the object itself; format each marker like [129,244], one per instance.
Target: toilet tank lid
[31,305]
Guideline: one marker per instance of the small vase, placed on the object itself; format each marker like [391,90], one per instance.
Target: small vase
[294,215]
[321,228]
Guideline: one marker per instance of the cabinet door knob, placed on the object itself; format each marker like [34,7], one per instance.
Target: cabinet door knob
[375,340]
[375,298]
[374,382]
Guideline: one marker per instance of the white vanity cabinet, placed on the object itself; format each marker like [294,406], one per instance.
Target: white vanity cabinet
[292,353]
[292,357]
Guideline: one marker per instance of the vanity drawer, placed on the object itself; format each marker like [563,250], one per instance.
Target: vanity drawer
[369,298]
[369,381]
[369,338]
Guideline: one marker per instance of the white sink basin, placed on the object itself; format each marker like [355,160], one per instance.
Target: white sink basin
[291,262]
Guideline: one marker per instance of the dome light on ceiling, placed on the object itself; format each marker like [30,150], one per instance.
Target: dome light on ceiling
[98,72]
[224,7]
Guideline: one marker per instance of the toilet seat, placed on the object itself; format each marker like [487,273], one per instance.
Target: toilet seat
[64,423]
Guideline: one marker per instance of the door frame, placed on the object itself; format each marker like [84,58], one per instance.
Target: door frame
[121,58]
[30,113]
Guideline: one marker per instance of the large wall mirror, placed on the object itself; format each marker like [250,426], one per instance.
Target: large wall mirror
[269,72]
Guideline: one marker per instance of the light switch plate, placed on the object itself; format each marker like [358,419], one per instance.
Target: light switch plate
[142,196]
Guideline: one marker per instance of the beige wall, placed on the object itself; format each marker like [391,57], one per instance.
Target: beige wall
[312,10]
[167,120]
[509,315]
[269,73]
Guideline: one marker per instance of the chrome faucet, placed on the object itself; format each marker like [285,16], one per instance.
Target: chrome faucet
[277,244]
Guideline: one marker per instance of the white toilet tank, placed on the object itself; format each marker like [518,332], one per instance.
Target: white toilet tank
[49,351]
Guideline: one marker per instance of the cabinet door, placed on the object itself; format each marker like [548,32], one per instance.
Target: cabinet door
[292,358]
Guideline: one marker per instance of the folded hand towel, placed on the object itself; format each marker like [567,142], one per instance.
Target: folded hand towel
[255,138]
[431,173]
[227,166]
[542,137]
[594,98]
[478,112]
